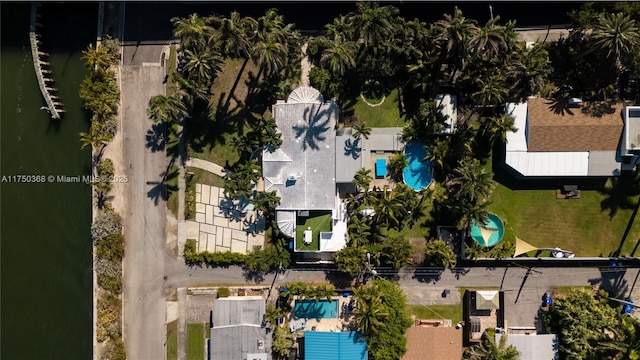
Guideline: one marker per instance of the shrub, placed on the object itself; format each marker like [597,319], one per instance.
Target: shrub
[223,292]
[111,247]
[192,257]
[113,350]
[109,275]
[107,223]
[190,201]
[105,174]
[108,322]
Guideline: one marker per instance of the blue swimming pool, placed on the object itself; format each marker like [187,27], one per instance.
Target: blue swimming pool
[311,309]
[418,174]
[490,233]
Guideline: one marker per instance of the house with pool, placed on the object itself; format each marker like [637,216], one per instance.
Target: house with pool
[312,171]
[571,138]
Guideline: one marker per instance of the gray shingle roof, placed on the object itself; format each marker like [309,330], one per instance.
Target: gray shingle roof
[307,154]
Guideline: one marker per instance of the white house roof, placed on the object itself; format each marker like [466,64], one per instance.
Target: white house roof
[450,109]
[302,170]
[534,347]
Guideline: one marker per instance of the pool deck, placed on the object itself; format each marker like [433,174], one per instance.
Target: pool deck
[328,324]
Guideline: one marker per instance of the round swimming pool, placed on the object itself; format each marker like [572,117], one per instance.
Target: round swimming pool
[490,233]
[418,174]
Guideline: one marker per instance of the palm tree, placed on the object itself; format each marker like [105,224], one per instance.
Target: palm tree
[527,71]
[362,179]
[492,41]
[265,202]
[339,57]
[272,53]
[439,253]
[468,212]
[390,208]
[616,34]
[94,139]
[361,129]
[271,315]
[397,163]
[165,109]
[491,91]
[97,58]
[236,34]
[341,30]
[202,64]
[373,24]
[370,313]
[625,343]
[437,152]
[192,30]
[270,42]
[454,34]
[497,127]
[488,348]
[472,181]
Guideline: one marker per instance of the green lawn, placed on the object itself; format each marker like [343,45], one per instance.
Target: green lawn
[318,221]
[453,312]
[234,106]
[195,341]
[593,225]
[172,340]
[170,68]
[385,115]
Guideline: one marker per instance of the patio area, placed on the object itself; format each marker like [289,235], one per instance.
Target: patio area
[379,183]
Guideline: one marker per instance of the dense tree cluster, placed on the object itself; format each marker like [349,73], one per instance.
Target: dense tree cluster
[382,318]
[590,328]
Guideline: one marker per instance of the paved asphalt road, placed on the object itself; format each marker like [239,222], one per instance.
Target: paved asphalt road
[144,306]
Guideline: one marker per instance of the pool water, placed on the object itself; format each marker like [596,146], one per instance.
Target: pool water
[494,225]
[418,174]
[311,309]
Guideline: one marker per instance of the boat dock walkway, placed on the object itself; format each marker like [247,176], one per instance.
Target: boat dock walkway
[41,67]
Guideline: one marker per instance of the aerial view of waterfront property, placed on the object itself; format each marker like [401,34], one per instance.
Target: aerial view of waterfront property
[320,181]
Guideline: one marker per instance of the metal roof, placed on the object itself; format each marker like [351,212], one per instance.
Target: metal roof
[323,345]
[237,328]
[302,170]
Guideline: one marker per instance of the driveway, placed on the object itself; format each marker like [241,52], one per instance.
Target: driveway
[145,218]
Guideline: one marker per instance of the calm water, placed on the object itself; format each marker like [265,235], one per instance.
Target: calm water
[45,246]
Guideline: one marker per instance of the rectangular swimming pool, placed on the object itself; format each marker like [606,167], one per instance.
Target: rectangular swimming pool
[311,309]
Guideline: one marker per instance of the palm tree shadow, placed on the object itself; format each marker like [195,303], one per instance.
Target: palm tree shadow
[316,125]
[157,137]
[160,189]
[352,148]
[619,195]
[561,106]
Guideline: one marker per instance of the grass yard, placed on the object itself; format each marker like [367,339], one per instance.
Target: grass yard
[602,222]
[385,115]
[318,221]
[453,312]
[231,113]
[195,341]
[172,340]
[170,68]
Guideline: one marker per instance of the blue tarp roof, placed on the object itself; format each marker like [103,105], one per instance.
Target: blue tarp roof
[381,167]
[322,345]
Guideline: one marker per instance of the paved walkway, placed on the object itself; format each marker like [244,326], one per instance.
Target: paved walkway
[207,166]
[305,64]
[223,224]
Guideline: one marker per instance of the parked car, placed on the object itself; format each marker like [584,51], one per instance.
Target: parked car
[547,299]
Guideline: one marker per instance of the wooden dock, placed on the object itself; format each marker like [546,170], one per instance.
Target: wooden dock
[42,69]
